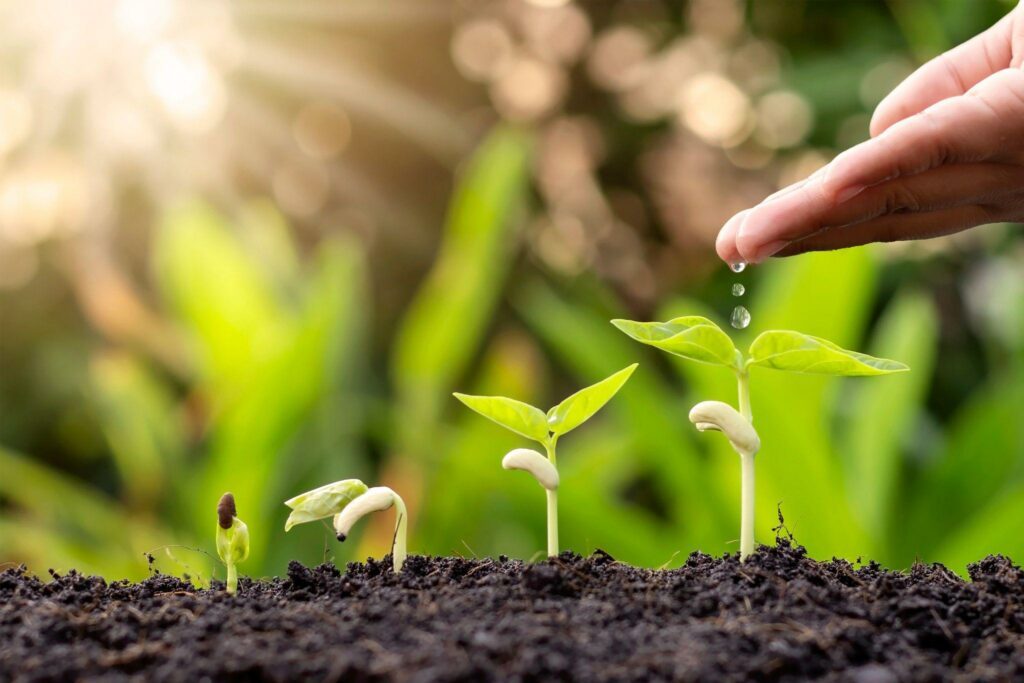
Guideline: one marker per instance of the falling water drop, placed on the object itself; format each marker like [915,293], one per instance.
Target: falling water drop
[738,289]
[740,318]
[738,266]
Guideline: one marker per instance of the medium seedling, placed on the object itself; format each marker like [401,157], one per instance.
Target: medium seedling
[533,423]
[699,339]
[232,539]
[347,501]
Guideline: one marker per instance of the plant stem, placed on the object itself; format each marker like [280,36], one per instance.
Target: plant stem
[747,506]
[747,473]
[399,551]
[743,382]
[232,583]
[552,505]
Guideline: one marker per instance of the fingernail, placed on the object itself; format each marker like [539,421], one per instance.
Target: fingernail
[848,193]
[770,249]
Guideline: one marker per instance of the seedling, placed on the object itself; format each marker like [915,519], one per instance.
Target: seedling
[347,501]
[232,539]
[533,423]
[701,340]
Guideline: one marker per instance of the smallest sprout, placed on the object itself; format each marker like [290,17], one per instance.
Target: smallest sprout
[232,539]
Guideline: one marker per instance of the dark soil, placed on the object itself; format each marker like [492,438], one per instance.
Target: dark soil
[779,616]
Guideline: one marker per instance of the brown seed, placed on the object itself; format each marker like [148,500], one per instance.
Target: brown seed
[226,510]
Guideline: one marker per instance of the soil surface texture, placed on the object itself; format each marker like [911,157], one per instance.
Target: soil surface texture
[780,616]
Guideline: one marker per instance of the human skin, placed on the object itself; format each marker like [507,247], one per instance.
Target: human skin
[946,153]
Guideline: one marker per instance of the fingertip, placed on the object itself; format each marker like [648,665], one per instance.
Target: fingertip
[748,240]
[725,243]
[883,117]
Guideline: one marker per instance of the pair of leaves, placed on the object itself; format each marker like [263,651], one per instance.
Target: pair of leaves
[233,542]
[533,423]
[323,502]
[699,339]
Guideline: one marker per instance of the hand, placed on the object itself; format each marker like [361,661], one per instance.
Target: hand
[946,154]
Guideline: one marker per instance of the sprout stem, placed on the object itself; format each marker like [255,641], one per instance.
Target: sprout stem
[400,551]
[743,381]
[232,583]
[747,467]
[747,506]
[552,495]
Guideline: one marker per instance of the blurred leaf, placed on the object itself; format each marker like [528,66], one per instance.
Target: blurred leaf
[581,406]
[141,421]
[69,519]
[519,417]
[689,337]
[443,326]
[997,528]
[218,292]
[982,461]
[796,352]
[882,414]
[921,26]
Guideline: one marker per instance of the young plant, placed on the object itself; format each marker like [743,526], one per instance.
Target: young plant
[701,340]
[347,501]
[232,539]
[533,423]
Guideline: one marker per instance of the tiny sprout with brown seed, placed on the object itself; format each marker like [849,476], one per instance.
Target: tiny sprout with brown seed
[232,539]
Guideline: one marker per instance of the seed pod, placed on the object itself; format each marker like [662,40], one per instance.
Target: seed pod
[722,417]
[533,462]
[226,510]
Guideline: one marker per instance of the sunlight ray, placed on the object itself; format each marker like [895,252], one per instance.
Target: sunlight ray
[327,12]
[416,117]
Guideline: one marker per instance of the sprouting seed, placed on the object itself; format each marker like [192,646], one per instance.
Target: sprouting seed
[546,428]
[232,539]
[347,501]
[699,339]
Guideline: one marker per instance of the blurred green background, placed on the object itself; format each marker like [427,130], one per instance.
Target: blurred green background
[255,245]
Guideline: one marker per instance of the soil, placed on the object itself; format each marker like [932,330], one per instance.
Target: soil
[780,616]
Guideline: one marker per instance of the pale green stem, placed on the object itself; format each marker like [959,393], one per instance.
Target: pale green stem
[399,552]
[747,506]
[747,467]
[232,583]
[552,505]
[743,380]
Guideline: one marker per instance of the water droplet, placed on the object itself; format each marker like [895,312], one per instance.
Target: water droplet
[740,318]
[738,289]
[738,266]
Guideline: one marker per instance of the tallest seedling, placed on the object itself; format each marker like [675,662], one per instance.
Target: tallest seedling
[533,423]
[701,340]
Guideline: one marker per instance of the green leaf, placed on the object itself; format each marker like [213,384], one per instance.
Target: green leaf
[233,542]
[521,418]
[323,502]
[446,322]
[691,337]
[581,406]
[796,352]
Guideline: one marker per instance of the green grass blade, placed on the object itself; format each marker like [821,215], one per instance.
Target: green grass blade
[443,326]
[881,414]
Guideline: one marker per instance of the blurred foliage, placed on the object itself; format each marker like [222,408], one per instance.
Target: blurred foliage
[250,354]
